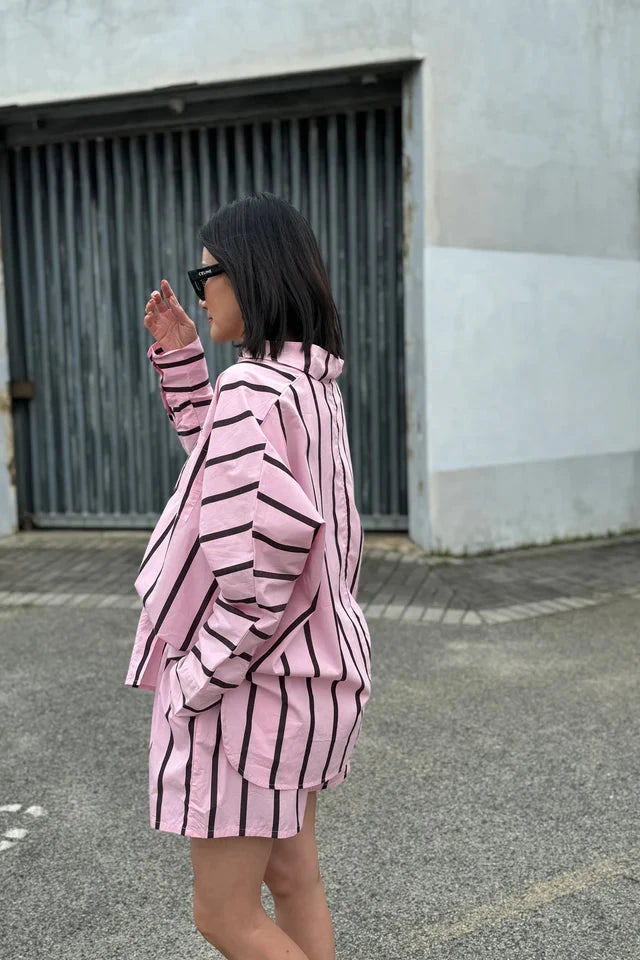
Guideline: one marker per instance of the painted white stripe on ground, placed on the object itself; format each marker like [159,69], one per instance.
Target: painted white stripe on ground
[565,602]
[433,614]
[111,600]
[125,601]
[453,615]
[15,833]
[374,610]
[413,613]
[471,619]
[547,891]
[78,598]
[551,605]
[574,602]
[12,599]
[494,616]
[393,611]
[10,807]
[521,611]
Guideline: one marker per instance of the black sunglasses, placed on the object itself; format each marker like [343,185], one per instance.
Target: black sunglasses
[200,275]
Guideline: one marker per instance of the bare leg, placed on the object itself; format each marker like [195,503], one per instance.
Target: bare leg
[306,919]
[293,876]
[227,906]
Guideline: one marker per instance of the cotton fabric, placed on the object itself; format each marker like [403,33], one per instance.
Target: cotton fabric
[250,633]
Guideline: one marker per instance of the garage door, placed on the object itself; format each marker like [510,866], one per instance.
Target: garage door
[97,208]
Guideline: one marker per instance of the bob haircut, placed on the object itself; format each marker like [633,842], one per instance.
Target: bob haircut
[274,264]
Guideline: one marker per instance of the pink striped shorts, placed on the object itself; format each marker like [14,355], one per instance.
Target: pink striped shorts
[194,790]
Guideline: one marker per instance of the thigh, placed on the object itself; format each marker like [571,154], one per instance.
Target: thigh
[293,861]
[227,876]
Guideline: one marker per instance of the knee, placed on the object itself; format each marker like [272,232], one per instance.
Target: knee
[285,882]
[206,925]
[229,932]
[214,925]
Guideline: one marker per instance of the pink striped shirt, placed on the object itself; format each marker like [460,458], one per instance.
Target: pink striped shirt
[251,573]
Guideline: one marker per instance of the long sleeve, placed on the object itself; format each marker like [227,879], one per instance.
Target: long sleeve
[256,528]
[184,388]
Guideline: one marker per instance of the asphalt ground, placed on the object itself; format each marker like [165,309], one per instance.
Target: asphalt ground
[491,809]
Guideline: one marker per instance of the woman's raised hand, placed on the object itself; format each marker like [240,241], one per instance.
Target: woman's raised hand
[168,322]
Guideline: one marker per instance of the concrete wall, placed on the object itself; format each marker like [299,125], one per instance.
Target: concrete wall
[523,297]
[533,403]
[531,274]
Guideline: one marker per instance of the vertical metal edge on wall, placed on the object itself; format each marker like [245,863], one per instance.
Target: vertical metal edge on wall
[393,372]
[294,155]
[46,405]
[372,328]
[126,383]
[258,157]
[109,395]
[147,379]
[333,205]
[161,441]
[11,463]
[78,418]
[22,221]
[188,254]
[63,379]
[276,156]
[414,282]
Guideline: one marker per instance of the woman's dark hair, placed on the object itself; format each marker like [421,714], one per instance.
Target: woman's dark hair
[272,259]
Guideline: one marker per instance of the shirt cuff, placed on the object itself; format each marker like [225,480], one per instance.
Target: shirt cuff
[177,698]
[190,369]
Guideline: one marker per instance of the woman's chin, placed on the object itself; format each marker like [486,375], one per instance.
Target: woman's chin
[216,335]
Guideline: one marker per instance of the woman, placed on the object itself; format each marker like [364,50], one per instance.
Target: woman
[250,633]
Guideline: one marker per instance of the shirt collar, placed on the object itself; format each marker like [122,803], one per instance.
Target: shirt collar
[322,366]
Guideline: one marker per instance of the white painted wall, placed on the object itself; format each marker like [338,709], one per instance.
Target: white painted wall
[533,104]
[532,396]
[549,330]
[529,221]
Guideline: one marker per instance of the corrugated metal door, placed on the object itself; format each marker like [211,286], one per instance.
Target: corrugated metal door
[91,225]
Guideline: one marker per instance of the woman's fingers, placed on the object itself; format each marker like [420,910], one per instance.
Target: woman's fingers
[167,289]
[155,302]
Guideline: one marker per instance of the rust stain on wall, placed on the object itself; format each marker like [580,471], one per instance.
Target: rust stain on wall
[6,411]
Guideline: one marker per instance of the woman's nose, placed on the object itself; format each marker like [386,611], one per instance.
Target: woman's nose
[202,304]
